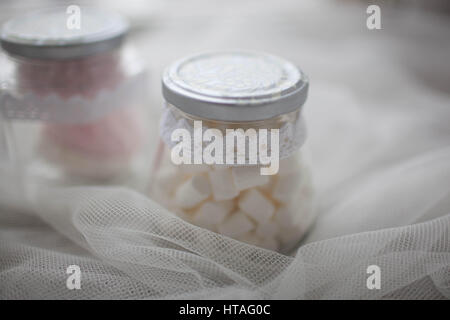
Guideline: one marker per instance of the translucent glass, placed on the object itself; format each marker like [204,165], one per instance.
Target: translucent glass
[272,211]
[70,122]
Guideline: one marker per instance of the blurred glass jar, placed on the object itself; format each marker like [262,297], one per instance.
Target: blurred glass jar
[236,90]
[72,99]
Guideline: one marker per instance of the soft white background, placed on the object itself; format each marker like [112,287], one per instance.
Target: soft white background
[379,130]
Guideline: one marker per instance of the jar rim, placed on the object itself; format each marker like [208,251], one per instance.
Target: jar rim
[44,34]
[235,86]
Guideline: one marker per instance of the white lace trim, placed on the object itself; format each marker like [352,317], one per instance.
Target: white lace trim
[292,134]
[77,109]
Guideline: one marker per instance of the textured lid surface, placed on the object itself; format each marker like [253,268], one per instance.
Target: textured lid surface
[235,86]
[48,34]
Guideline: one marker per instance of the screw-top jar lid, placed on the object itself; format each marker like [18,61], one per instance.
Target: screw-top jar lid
[235,86]
[48,34]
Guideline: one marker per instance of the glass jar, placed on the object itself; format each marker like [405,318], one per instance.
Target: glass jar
[232,188]
[72,99]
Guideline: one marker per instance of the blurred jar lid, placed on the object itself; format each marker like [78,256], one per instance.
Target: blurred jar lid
[63,33]
[235,86]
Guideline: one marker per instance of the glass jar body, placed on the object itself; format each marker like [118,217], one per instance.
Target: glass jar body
[74,121]
[271,211]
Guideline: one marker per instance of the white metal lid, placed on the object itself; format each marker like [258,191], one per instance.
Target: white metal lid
[46,34]
[235,86]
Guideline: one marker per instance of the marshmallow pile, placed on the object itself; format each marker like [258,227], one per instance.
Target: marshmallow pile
[272,212]
[99,150]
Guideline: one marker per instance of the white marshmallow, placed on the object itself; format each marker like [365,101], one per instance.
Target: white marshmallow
[286,216]
[298,212]
[269,244]
[246,177]
[305,213]
[256,206]
[286,187]
[307,191]
[267,229]
[194,168]
[222,184]
[192,192]
[304,203]
[182,214]
[268,187]
[250,238]
[289,165]
[221,166]
[168,178]
[236,225]
[227,204]
[307,187]
[210,214]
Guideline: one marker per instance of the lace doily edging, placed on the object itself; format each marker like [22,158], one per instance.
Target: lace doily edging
[292,134]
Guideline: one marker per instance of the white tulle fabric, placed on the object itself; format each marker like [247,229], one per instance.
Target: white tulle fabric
[381,166]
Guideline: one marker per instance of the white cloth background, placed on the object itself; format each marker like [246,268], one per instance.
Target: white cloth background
[379,132]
